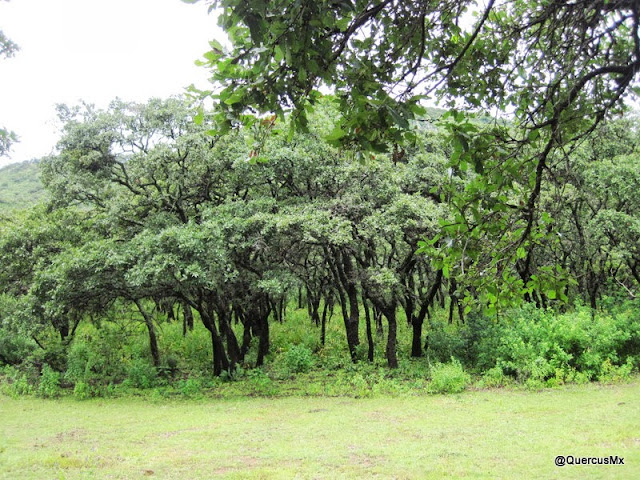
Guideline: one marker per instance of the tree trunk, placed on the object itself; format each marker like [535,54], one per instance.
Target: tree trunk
[220,360]
[246,338]
[187,319]
[263,345]
[392,359]
[377,317]
[417,321]
[341,268]
[416,341]
[153,341]
[233,349]
[323,324]
[367,316]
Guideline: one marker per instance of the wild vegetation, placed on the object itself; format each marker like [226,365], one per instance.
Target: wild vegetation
[498,238]
[20,186]
[166,257]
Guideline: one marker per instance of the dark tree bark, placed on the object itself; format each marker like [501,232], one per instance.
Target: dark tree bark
[153,341]
[392,359]
[417,320]
[233,349]
[220,360]
[263,344]
[377,317]
[187,319]
[367,316]
[342,269]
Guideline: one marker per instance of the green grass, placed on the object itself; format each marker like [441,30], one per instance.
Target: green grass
[484,434]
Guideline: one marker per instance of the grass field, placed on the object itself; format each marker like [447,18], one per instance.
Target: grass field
[484,434]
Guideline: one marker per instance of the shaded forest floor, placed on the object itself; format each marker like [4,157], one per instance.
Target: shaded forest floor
[483,434]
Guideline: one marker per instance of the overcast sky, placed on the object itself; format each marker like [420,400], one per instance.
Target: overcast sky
[94,50]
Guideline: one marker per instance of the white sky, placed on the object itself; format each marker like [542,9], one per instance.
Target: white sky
[94,50]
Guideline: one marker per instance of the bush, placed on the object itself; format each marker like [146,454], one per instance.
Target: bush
[540,345]
[49,386]
[298,359]
[191,387]
[444,341]
[492,378]
[83,390]
[261,384]
[16,383]
[610,373]
[15,348]
[141,374]
[191,352]
[448,377]
[95,356]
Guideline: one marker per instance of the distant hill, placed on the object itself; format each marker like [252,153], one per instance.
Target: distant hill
[20,185]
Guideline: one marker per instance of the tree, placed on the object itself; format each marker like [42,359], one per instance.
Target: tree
[30,249]
[553,70]
[550,63]
[7,50]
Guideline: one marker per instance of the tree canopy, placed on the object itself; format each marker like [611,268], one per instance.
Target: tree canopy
[525,81]
[8,48]
[549,64]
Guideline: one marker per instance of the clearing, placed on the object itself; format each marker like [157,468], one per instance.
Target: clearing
[483,434]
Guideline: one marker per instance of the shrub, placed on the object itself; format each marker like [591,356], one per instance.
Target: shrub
[191,387]
[141,374]
[448,377]
[260,383]
[191,352]
[83,390]
[492,378]
[610,373]
[16,383]
[541,345]
[95,356]
[49,386]
[298,359]
[15,348]
[444,341]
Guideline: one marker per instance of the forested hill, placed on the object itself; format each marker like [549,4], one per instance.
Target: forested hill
[20,185]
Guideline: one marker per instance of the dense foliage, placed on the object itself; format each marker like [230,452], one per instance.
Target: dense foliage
[544,75]
[166,254]
[8,48]
[20,186]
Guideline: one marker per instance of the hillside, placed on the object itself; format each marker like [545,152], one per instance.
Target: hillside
[20,185]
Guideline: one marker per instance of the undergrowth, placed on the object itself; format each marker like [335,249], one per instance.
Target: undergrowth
[529,348]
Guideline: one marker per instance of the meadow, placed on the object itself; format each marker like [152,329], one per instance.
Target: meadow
[497,433]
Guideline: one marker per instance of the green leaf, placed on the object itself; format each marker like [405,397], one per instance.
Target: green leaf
[216,45]
[199,117]
[343,23]
[235,97]
[398,118]
[533,135]
[336,134]
[278,53]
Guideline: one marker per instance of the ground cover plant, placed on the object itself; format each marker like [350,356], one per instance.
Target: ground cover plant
[535,350]
[483,434]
